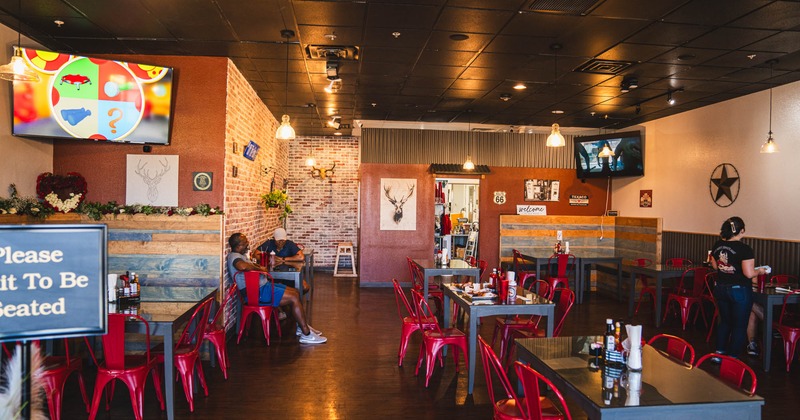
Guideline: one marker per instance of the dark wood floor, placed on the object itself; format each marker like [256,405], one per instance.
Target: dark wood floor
[355,375]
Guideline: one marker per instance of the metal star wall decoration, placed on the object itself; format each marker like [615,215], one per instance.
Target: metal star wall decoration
[724,184]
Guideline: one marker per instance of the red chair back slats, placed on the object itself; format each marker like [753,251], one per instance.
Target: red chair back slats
[732,371]
[536,405]
[779,279]
[510,407]
[676,346]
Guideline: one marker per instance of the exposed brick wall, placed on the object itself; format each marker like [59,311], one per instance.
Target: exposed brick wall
[249,119]
[325,210]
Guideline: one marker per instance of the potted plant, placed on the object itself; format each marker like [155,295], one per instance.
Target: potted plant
[275,199]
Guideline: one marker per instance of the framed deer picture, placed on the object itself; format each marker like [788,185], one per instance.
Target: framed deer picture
[152,180]
[398,204]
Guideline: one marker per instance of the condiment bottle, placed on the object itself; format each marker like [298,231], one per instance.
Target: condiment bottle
[512,290]
[135,290]
[271,260]
[617,341]
[610,342]
[493,279]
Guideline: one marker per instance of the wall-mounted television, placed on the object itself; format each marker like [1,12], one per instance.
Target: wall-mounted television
[627,159]
[96,99]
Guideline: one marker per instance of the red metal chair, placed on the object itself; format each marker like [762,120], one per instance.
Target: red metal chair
[779,279]
[253,307]
[54,374]
[708,296]
[418,282]
[536,405]
[509,407]
[565,268]
[646,289]
[678,262]
[216,331]
[788,326]
[409,318]
[131,369]
[732,371]
[505,325]
[687,294]
[566,300]
[187,352]
[676,346]
[434,339]
[522,274]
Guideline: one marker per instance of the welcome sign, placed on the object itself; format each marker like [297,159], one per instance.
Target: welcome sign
[52,281]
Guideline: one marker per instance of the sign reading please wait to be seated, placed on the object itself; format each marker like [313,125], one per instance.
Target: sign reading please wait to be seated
[530,210]
[51,281]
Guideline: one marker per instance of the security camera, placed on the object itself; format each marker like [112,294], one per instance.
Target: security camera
[332,70]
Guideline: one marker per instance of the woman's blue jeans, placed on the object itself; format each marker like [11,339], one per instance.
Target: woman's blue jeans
[734,303]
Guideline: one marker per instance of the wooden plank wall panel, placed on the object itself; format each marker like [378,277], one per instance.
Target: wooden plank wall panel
[536,235]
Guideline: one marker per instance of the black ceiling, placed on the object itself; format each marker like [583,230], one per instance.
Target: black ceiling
[707,50]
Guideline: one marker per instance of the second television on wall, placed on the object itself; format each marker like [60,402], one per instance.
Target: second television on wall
[625,156]
[96,99]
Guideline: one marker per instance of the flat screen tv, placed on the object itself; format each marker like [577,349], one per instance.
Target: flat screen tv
[627,159]
[95,99]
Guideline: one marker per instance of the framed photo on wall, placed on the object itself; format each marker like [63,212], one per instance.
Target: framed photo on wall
[541,189]
[646,198]
[398,209]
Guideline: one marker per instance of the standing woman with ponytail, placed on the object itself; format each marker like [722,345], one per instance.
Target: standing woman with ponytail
[735,265]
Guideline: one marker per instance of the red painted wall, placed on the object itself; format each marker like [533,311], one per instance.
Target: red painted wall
[512,181]
[198,135]
[383,253]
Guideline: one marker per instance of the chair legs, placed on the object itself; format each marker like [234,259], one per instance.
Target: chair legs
[649,292]
[790,338]
[217,338]
[405,336]
[684,311]
[431,350]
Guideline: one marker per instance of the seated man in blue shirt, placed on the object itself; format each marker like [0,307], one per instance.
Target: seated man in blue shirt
[283,295]
[284,249]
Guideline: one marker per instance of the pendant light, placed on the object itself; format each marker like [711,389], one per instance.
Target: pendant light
[16,70]
[555,139]
[770,146]
[606,152]
[468,165]
[285,131]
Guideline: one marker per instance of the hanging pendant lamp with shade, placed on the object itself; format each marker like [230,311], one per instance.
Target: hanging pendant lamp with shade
[468,164]
[770,146]
[17,70]
[285,131]
[555,139]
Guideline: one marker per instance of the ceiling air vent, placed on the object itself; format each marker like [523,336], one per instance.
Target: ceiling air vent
[604,66]
[332,52]
[568,7]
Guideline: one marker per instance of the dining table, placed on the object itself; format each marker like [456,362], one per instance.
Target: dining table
[165,318]
[581,283]
[769,299]
[475,309]
[294,272]
[430,269]
[664,387]
[659,272]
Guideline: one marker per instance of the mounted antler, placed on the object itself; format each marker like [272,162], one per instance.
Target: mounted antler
[322,173]
[398,204]
[152,181]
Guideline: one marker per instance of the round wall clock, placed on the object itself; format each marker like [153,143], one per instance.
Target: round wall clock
[724,184]
[202,181]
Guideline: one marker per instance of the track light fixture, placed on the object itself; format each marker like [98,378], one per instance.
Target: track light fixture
[670,99]
[628,84]
[335,122]
[332,70]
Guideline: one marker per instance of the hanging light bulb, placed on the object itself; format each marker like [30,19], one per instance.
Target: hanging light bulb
[16,70]
[555,139]
[468,165]
[770,146]
[606,152]
[285,131]
[310,161]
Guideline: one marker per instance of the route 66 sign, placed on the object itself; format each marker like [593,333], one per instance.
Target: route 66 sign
[499,197]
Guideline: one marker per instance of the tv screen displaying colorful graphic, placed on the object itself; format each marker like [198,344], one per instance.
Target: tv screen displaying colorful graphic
[91,98]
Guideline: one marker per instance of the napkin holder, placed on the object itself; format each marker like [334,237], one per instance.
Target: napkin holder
[635,352]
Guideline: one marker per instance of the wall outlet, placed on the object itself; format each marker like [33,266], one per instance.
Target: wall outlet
[559,235]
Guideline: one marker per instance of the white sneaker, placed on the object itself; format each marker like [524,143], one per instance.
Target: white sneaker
[299,331]
[312,338]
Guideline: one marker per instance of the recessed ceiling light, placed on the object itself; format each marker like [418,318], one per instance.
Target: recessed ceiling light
[337,133]
[520,86]
[751,56]
[557,111]
[58,22]
[396,34]
[330,37]
[459,37]
[505,97]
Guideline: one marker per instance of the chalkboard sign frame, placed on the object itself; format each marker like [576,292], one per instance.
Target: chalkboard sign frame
[85,253]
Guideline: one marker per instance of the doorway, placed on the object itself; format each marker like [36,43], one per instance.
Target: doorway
[457,216]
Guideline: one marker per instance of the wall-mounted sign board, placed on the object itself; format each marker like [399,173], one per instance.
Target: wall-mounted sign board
[52,281]
[531,210]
